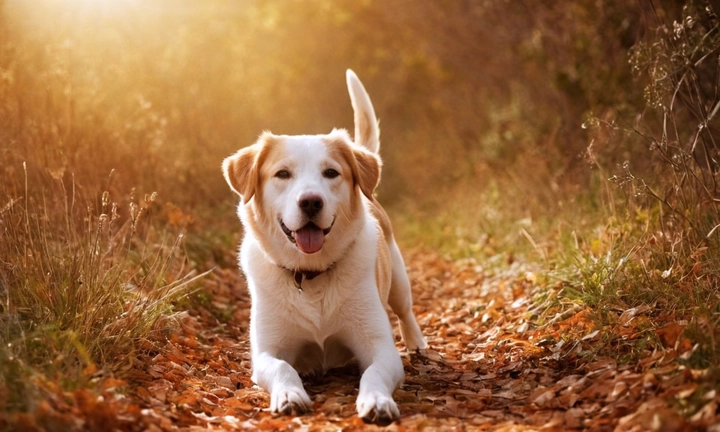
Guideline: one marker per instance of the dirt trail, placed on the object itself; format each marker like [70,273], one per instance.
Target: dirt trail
[488,367]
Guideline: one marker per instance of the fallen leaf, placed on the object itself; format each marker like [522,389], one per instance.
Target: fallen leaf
[670,333]
[627,316]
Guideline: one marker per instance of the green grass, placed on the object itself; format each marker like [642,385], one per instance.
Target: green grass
[623,267]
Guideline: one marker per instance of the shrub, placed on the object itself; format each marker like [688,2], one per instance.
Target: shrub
[660,248]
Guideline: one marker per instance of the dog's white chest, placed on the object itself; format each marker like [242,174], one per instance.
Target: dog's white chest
[316,309]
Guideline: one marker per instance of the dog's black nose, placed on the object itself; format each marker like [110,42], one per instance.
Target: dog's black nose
[311,204]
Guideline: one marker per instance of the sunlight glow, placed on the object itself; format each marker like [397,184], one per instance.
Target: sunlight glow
[53,14]
[104,7]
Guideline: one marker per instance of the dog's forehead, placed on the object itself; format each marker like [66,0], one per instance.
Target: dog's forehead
[298,150]
[306,146]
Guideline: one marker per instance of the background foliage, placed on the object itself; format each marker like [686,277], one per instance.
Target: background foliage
[197,80]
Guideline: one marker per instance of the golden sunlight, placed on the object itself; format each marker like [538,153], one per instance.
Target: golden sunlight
[79,7]
[50,18]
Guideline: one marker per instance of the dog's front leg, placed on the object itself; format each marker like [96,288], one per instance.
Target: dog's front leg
[375,403]
[382,368]
[287,395]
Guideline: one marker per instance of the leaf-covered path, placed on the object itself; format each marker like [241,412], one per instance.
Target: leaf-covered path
[489,367]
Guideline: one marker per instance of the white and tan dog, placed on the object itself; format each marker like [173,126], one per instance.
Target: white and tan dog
[321,263]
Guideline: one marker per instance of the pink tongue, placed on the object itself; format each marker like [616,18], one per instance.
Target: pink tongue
[309,239]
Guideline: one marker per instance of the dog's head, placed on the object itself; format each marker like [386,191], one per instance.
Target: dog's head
[301,195]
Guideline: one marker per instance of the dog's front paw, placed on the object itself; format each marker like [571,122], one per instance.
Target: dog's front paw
[290,402]
[377,408]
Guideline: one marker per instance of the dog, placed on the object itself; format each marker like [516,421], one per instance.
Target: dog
[321,263]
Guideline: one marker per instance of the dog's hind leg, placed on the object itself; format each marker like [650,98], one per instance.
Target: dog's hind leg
[400,300]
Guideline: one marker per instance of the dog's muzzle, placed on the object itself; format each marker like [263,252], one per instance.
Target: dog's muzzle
[310,238]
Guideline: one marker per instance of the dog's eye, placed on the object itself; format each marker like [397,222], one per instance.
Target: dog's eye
[330,173]
[283,174]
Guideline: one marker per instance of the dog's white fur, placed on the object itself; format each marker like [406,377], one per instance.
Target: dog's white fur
[319,309]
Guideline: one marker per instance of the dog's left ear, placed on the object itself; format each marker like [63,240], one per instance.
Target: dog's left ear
[368,171]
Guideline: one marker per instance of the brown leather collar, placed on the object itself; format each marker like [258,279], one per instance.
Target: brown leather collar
[300,275]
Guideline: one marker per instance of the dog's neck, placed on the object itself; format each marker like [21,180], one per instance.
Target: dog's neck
[301,275]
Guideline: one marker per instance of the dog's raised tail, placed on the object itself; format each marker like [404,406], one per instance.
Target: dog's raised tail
[367,132]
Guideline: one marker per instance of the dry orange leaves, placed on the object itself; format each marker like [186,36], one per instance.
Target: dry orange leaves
[491,365]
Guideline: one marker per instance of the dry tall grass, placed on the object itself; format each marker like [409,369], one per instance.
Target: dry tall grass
[81,287]
[660,248]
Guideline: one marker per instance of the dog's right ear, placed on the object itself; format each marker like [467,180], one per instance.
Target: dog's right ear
[241,172]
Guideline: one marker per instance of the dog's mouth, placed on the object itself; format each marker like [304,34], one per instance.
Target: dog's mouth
[310,238]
